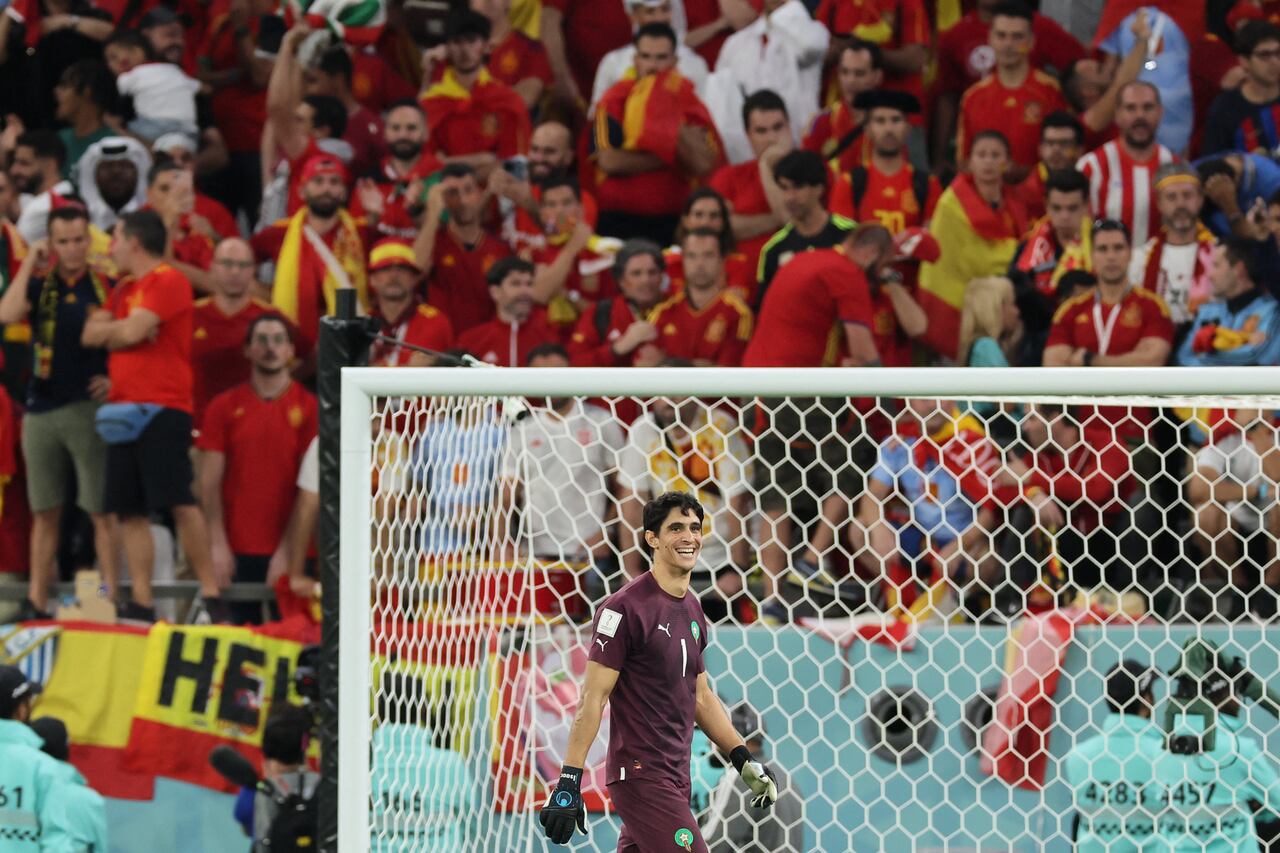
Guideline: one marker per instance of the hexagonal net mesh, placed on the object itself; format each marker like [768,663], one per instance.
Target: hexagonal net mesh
[953,625]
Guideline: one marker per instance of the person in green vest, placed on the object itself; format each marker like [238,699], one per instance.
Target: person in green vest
[1111,773]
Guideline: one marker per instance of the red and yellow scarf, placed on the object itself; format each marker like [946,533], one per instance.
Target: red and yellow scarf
[299,270]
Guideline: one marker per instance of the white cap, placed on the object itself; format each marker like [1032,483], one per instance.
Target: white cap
[170,141]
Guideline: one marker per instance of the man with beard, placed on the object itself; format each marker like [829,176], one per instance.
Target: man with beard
[1061,144]
[474,118]
[307,279]
[1015,97]
[394,189]
[887,188]
[393,276]
[550,155]
[253,438]
[793,330]
[617,332]
[1121,173]
[838,130]
[163,30]
[36,171]
[1175,263]
[518,325]
[112,177]
[457,255]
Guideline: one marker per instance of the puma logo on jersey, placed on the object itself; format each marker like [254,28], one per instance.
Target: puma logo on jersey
[666,629]
[601,643]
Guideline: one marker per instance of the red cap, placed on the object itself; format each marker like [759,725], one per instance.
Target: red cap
[323,164]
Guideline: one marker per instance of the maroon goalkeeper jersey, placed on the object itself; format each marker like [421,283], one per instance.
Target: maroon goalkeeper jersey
[655,641]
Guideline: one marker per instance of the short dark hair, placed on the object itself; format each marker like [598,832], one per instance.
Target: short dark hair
[336,62]
[991,134]
[403,103]
[657,30]
[162,165]
[704,232]
[131,38]
[546,350]
[871,234]
[148,229]
[802,168]
[657,510]
[1254,33]
[635,248]
[269,317]
[1102,226]
[727,242]
[94,79]
[1061,119]
[45,143]
[1241,250]
[504,267]
[68,213]
[1216,166]
[464,21]
[555,180]
[459,170]
[861,45]
[1067,181]
[286,734]
[763,100]
[329,112]
[1013,9]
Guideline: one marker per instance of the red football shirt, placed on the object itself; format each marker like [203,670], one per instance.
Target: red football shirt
[888,199]
[422,325]
[191,246]
[263,441]
[456,285]
[219,217]
[518,57]
[396,220]
[157,370]
[718,332]
[374,83]
[965,55]
[826,132]
[698,13]
[506,344]
[591,29]
[239,108]
[217,349]
[1017,113]
[741,186]
[908,24]
[739,274]
[364,135]
[590,278]
[1087,322]
[799,322]
[489,118]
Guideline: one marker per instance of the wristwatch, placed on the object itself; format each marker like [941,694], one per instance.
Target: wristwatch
[1087,358]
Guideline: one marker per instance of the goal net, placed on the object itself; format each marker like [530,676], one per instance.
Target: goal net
[919,585]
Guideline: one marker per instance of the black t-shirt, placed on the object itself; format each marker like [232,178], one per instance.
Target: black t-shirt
[1235,123]
[72,365]
[788,242]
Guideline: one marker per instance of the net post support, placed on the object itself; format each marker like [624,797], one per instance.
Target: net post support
[343,342]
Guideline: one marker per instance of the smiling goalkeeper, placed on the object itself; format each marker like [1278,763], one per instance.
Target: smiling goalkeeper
[646,662]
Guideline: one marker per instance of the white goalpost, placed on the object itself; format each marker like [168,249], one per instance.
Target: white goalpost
[921,580]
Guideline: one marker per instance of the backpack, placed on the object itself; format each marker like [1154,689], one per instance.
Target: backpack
[291,820]
[858,178]
[603,314]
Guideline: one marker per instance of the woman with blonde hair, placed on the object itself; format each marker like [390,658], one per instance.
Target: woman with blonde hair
[990,325]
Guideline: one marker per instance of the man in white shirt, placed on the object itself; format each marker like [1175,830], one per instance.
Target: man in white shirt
[616,63]
[558,469]
[36,172]
[1175,263]
[782,50]
[685,445]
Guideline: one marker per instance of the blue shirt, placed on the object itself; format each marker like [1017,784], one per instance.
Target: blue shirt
[457,464]
[1255,314]
[1110,776]
[938,507]
[1172,75]
[1260,179]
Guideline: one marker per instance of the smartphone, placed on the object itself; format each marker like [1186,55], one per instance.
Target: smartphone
[516,167]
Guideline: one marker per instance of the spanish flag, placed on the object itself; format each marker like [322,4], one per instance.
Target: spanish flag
[487,97]
[979,240]
[653,109]
[303,279]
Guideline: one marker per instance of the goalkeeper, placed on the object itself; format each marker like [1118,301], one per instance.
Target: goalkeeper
[646,662]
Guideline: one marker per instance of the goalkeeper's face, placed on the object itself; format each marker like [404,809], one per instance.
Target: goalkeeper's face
[678,542]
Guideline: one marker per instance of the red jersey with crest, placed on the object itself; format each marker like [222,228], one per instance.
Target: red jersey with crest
[892,24]
[396,220]
[456,285]
[1016,112]
[888,199]
[590,277]
[421,325]
[217,349]
[263,441]
[508,344]
[828,129]
[488,118]
[191,246]
[741,186]
[591,343]
[157,370]
[717,332]
[518,57]
[739,274]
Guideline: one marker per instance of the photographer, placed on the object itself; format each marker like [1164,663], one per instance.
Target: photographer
[285,738]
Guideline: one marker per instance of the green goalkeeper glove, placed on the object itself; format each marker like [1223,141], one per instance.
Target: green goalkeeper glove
[564,807]
[764,791]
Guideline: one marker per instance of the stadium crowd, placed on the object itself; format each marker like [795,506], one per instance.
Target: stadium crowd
[640,183]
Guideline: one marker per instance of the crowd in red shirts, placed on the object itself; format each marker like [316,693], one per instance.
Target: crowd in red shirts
[773,183]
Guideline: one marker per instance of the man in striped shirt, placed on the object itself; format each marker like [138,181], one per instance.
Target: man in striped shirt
[1122,172]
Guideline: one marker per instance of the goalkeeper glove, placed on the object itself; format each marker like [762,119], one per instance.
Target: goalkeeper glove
[564,807]
[764,791]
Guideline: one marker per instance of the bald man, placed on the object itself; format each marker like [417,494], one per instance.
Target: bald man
[550,157]
[220,322]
